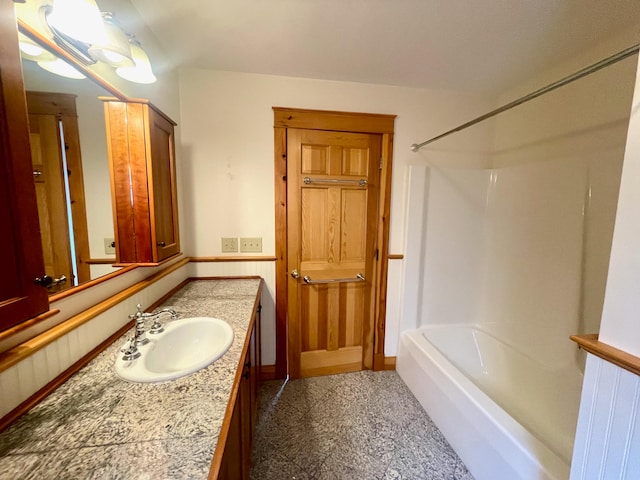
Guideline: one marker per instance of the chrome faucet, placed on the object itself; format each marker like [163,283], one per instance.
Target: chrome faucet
[139,333]
[131,352]
[157,326]
[139,336]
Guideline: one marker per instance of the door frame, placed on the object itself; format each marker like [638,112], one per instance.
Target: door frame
[381,124]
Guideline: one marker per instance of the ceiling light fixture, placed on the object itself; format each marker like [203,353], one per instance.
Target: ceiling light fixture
[115,50]
[31,50]
[78,27]
[141,72]
[78,19]
[60,67]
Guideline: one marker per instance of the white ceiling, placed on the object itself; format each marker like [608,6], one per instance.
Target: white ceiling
[477,45]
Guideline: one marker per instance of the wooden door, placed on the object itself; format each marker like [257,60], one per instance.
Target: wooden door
[53,127]
[20,297]
[332,193]
[44,136]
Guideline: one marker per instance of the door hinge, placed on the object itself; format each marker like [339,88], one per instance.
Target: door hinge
[377,253]
[380,163]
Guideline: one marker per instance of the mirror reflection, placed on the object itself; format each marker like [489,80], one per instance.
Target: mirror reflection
[71,172]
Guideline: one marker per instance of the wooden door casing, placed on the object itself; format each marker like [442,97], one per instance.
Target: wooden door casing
[333,183]
[285,119]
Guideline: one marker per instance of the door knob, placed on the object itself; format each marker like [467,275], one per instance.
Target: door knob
[295,274]
[44,281]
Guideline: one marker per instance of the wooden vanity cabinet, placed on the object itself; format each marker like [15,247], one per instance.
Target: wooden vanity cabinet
[143,181]
[236,459]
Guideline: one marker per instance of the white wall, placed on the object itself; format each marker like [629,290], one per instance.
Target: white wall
[227,151]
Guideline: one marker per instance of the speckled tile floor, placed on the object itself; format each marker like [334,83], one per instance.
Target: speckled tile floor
[356,426]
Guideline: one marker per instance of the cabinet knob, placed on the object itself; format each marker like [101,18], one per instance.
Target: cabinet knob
[295,274]
[161,244]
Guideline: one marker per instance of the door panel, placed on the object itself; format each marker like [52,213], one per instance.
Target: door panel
[332,194]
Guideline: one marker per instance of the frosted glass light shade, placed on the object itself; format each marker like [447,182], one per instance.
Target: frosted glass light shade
[60,67]
[31,50]
[79,19]
[115,51]
[141,72]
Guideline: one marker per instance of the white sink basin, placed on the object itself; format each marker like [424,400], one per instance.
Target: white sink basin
[185,346]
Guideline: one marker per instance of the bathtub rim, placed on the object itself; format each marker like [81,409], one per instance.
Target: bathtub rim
[501,439]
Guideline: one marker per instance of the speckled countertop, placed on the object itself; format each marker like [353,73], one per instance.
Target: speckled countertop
[97,426]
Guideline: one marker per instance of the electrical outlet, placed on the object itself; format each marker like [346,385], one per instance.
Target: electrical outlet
[251,244]
[229,244]
[109,246]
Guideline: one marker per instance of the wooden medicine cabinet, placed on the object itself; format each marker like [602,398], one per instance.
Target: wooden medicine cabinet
[143,181]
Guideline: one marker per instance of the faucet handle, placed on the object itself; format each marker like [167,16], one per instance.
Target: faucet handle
[156,327]
[131,352]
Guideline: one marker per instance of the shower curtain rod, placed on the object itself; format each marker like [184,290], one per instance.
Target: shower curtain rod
[552,86]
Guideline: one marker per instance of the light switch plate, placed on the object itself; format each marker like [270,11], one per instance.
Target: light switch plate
[251,244]
[109,246]
[229,244]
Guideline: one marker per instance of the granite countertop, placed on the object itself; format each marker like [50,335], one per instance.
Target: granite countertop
[97,426]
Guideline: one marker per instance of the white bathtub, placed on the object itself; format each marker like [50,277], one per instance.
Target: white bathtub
[506,415]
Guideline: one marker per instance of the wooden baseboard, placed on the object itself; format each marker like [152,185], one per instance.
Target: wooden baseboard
[389,363]
[267,373]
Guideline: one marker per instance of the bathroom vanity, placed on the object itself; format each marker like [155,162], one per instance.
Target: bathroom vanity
[200,426]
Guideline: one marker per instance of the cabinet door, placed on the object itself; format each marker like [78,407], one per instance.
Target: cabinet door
[20,297]
[163,194]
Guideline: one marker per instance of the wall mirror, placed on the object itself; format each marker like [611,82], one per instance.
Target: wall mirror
[71,173]
[70,160]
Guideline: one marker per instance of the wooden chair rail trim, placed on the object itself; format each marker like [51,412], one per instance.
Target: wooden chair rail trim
[41,394]
[232,259]
[622,359]
[150,264]
[29,323]
[28,348]
[97,281]
[101,261]
[216,462]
